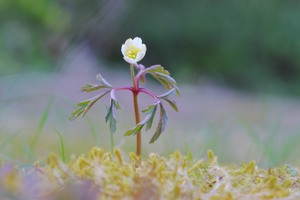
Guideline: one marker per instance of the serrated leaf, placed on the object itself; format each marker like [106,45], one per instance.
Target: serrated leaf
[164,83]
[149,109]
[92,87]
[164,80]
[117,105]
[172,103]
[110,117]
[84,106]
[177,91]
[84,103]
[134,130]
[138,127]
[113,97]
[163,120]
[157,68]
[151,112]
[76,113]
[166,77]
[168,93]
[92,102]
[103,81]
[162,75]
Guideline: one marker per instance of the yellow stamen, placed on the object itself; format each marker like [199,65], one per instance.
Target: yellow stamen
[132,52]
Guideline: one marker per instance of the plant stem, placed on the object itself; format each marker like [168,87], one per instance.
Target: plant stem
[133,77]
[136,112]
[112,143]
[137,120]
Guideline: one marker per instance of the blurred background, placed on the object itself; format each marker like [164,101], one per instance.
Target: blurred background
[236,62]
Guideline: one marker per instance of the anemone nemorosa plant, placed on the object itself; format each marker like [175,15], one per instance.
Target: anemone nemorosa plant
[133,51]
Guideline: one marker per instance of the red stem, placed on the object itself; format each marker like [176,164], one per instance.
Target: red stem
[135,90]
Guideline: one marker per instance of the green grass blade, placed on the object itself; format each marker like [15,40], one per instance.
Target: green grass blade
[62,146]
[94,131]
[189,154]
[41,124]
[289,147]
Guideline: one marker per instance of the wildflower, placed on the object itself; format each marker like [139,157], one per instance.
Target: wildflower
[133,50]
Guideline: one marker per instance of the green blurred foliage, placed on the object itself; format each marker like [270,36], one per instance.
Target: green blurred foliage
[249,44]
[30,34]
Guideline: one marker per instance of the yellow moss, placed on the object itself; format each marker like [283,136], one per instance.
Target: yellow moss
[134,157]
[11,181]
[226,196]
[184,163]
[96,154]
[211,157]
[177,191]
[287,183]
[250,168]
[194,166]
[176,155]
[52,161]
[158,177]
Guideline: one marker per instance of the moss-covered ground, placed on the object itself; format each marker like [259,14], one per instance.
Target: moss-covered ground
[105,175]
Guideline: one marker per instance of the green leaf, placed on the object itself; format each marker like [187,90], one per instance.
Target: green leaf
[103,81]
[92,102]
[84,103]
[151,112]
[166,77]
[84,106]
[92,87]
[134,130]
[163,120]
[172,103]
[110,117]
[157,68]
[163,76]
[168,93]
[167,83]
[149,109]
[177,91]
[138,127]
[113,97]
[76,113]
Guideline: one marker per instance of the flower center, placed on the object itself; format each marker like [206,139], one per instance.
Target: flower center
[132,52]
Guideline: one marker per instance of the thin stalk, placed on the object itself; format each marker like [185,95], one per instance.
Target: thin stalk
[136,112]
[112,142]
[133,76]
[41,124]
[137,120]
[62,146]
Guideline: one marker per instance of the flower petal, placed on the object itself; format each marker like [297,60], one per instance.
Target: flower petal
[133,50]
[129,60]
[140,55]
[123,49]
[126,46]
[137,42]
[144,48]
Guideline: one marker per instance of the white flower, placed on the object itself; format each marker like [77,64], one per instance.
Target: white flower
[133,50]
